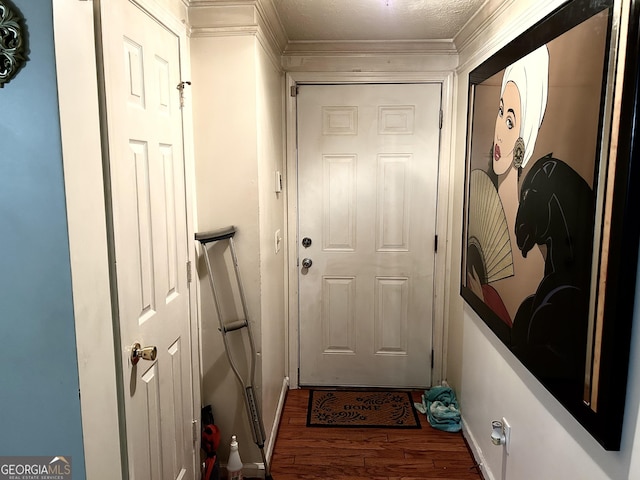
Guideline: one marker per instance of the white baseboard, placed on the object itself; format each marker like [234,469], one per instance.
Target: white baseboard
[256,470]
[276,421]
[476,451]
[253,470]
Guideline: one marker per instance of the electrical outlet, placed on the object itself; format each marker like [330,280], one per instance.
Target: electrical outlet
[506,430]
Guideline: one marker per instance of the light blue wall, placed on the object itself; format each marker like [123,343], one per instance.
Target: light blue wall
[39,403]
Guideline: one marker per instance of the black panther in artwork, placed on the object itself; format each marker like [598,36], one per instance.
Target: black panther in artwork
[556,213]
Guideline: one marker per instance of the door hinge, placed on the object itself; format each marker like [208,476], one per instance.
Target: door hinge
[294,90]
[180,88]
[432,361]
[440,120]
[194,428]
[188,271]
[435,246]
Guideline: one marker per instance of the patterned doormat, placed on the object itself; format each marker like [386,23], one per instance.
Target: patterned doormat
[361,408]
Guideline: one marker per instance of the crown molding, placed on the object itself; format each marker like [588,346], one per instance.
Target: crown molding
[227,31]
[484,18]
[498,26]
[408,47]
[273,27]
[238,17]
[370,56]
[370,63]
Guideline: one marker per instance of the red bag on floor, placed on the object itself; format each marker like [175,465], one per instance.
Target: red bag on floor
[209,443]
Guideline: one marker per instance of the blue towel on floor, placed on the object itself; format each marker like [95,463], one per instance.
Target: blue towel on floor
[441,407]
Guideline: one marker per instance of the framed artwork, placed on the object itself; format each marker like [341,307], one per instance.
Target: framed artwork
[550,242]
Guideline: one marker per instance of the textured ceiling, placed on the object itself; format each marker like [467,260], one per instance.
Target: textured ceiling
[374,20]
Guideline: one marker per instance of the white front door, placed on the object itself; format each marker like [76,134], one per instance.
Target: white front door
[367,186]
[146,161]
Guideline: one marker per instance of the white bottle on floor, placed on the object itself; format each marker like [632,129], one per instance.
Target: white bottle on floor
[234,465]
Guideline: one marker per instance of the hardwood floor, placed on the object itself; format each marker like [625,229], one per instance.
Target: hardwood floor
[366,453]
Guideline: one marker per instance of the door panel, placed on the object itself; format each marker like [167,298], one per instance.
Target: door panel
[146,161]
[367,183]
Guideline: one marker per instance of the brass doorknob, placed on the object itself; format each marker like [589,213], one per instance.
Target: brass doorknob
[146,353]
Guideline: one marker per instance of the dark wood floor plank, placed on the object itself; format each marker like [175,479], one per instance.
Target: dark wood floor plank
[336,460]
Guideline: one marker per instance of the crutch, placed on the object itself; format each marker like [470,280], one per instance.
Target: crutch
[253,410]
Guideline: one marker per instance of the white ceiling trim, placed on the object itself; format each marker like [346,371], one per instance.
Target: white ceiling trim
[370,63]
[441,47]
[501,26]
[209,18]
[272,25]
[202,32]
[477,24]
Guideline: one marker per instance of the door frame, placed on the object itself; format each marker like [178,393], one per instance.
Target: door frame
[81,118]
[443,217]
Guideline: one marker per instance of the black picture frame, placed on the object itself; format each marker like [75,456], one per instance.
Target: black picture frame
[550,248]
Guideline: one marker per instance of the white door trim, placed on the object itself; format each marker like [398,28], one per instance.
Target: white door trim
[442,264]
[86,218]
[78,82]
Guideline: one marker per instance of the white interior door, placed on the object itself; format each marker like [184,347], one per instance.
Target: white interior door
[367,183]
[146,159]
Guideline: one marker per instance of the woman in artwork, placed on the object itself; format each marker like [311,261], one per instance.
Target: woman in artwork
[493,259]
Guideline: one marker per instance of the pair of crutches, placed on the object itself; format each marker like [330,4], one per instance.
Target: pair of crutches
[252,407]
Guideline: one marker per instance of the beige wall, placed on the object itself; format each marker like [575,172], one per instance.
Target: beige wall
[270,90]
[238,131]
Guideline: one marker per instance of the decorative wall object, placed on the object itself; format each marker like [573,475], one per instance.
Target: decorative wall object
[12,42]
[550,243]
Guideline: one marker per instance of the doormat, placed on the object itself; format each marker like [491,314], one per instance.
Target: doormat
[361,408]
